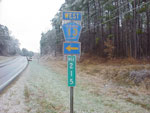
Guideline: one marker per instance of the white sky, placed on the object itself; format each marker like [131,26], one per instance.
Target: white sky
[27,19]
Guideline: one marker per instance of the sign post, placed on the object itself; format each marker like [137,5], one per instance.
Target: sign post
[71,99]
[71,28]
[71,77]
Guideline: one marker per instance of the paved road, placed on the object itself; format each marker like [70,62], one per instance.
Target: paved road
[10,70]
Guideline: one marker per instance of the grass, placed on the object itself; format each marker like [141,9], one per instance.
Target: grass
[145,106]
[26,92]
[48,92]
[4,58]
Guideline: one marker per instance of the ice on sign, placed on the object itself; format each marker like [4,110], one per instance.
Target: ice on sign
[72,16]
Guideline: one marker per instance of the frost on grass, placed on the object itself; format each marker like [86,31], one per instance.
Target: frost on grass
[12,99]
[50,93]
[139,76]
[44,90]
[26,92]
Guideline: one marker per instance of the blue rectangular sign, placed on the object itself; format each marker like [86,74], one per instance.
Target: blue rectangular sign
[72,15]
[72,48]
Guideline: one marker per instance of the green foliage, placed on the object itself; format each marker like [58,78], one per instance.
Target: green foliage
[110,7]
[128,16]
[8,44]
[107,19]
[97,40]
[110,36]
[25,52]
[143,9]
[139,31]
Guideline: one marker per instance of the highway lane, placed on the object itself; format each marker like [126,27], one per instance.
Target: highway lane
[10,70]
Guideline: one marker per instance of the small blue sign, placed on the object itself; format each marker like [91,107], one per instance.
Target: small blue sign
[71,31]
[72,48]
[72,15]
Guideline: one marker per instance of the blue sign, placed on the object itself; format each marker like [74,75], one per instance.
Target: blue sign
[72,15]
[71,31]
[72,48]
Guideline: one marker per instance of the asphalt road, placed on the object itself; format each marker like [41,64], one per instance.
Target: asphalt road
[10,70]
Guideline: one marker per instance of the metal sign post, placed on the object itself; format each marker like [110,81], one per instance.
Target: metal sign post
[71,78]
[71,99]
[71,25]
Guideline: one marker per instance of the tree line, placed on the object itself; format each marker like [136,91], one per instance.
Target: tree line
[9,46]
[110,28]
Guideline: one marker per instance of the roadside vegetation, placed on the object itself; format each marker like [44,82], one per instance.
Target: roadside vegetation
[103,87]
[113,73]
[9,45]
[110,28]
[5,59]
[100,88]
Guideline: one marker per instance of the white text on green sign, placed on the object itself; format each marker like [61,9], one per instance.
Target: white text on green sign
[71,71]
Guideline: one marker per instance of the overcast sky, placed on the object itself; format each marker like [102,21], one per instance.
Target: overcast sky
[27,19]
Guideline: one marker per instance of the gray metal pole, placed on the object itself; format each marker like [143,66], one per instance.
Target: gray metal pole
[71,99]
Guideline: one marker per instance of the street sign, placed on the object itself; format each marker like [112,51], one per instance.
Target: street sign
[72,48]
[71,71]
[72,15]
[71,26]
[71,31]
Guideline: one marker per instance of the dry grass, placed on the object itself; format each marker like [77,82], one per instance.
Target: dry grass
[90,59]
[5,58]
[145,106]
[109,78]
[26,92]
[117,71]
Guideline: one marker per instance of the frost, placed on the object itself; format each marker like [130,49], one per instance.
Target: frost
[139,76]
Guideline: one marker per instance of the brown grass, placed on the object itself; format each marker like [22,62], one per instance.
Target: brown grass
[145,106]
[90,59]
[108,77]
[116,70]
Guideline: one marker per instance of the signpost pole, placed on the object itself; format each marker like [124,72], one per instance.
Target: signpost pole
[71,99]
[71,28]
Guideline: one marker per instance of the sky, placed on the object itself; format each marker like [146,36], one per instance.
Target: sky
[27,19]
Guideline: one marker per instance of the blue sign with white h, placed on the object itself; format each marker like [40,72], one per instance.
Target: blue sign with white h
[72,48]
[71,31]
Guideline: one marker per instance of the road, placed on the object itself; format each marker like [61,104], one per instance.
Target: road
[10,70]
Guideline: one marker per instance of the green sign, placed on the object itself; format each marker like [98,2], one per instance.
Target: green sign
[71,71]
